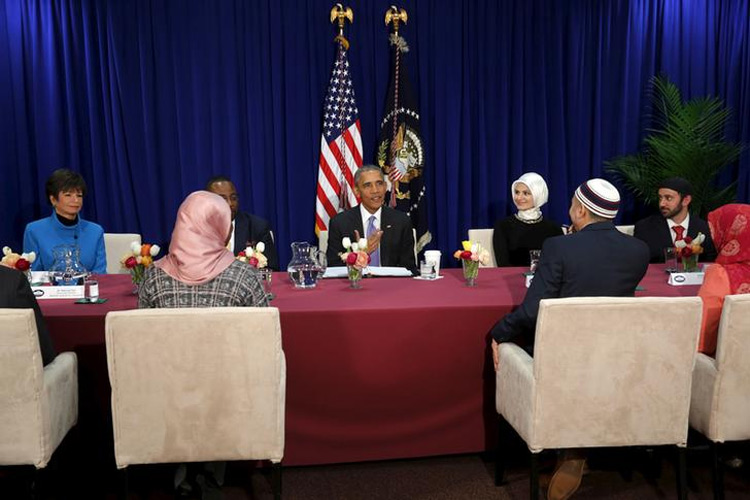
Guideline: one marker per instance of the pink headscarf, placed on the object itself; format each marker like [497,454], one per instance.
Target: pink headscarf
[731,235]
[197,252]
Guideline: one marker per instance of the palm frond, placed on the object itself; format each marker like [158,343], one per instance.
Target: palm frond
[687,140]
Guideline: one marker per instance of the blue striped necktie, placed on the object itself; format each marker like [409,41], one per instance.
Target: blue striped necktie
[371,229]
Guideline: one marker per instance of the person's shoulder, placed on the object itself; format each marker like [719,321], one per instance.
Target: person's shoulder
[9,275]
[396,215]
[87,225]
[240,271]
[39,224]
[505,222]
[651,220]
[346,214]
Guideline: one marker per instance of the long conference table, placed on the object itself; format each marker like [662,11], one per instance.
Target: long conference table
[400,368]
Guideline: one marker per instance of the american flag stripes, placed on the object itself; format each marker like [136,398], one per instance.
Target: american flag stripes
[340,146]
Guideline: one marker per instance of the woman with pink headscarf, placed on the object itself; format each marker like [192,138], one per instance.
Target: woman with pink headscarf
[730,274]
[199,270]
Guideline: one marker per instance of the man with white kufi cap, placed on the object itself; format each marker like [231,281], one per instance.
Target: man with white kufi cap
[599,261]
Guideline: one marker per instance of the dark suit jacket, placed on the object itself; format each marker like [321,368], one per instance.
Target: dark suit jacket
[655,232]
[15,293]
[396,244]
[598,261]
[249,230]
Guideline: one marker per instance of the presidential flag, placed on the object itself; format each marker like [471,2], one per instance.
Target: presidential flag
[340,145]
[400,152]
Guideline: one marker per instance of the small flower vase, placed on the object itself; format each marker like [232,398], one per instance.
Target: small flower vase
[690,263]
[136,276]
[355,276]
[471,269]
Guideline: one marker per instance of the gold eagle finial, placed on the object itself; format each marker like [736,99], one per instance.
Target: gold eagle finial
[395,15]
[341,14]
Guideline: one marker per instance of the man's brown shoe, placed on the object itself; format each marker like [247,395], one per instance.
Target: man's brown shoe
[566,479]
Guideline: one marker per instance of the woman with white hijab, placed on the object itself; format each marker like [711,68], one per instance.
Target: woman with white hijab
[526,229]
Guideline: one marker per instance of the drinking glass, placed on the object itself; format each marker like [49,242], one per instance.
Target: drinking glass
[670,259]
[534,256]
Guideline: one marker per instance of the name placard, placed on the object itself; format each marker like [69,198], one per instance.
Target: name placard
[681,279]
[58,292]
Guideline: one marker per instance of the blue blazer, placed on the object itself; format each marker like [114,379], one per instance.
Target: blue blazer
[598,261]
[43,235]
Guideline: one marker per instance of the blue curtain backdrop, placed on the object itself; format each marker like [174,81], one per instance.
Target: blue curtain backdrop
[148,99]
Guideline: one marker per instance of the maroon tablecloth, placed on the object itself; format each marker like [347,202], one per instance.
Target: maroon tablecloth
[400,368]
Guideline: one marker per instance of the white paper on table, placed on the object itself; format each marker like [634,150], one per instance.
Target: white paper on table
[342,272]
[400,272]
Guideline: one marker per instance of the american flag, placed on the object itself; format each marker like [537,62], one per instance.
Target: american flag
[340,146]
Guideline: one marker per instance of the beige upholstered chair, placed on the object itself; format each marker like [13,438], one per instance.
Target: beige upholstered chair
[116,245]
[38,405]
[197,385]
[484,238]
[629,230]
[720,403]
[606,371]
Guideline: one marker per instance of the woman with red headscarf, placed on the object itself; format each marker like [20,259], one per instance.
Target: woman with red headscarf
[730,274]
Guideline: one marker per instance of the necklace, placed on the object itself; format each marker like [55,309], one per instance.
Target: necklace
[531,221]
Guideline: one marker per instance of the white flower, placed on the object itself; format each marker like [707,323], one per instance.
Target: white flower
[6,250]
[249,252]
[31,257]
[362,243]
[139,259]
[699,239]
[262,260]
[680,244]
[135,247]
[355,247]
[474,248]
[346,242]
[154,250]
[260,247]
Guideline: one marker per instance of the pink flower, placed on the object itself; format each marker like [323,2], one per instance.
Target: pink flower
[253,261]
[351,258]
[131,262]
[466,254]
[362,259]
[22,265]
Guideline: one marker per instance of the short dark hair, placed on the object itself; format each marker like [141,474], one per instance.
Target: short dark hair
[217,178]
[64,179]
[367,168]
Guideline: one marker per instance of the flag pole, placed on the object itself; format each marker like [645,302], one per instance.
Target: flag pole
[340,15]
[394,16]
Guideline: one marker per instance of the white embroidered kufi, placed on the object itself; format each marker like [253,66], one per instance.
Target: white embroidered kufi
[600,197]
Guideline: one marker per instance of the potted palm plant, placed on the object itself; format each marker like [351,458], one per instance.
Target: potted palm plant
[687,140]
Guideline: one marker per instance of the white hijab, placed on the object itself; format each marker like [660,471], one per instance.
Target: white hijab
[539,193]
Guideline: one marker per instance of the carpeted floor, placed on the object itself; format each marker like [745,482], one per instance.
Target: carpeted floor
[613,474]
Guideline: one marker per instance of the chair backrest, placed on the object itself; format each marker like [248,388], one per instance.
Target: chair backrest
[484,238]
[21,386]
[323,242]
[196,385]
[116,245]
[732,387]
[629,230]
[614,371]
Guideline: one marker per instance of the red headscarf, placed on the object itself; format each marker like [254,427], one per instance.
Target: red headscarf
[197,252]
[730,231]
